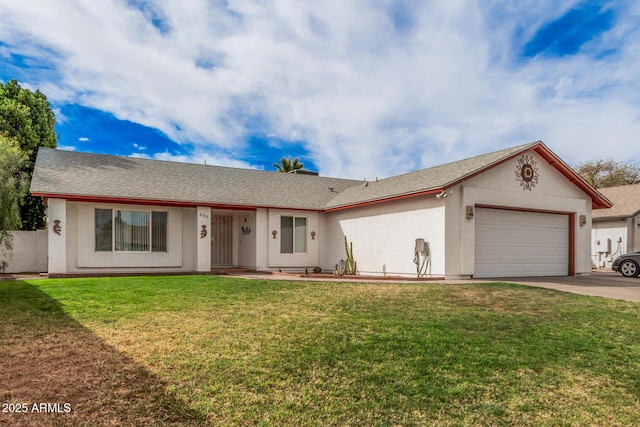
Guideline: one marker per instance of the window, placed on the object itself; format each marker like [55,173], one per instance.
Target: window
[293,235]
[130,231]
[104,229]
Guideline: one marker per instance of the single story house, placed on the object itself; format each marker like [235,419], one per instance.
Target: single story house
[520,211]
[616,231]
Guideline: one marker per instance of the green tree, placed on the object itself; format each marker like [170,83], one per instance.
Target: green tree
[27,117]
[13,188]
[608,173]
[288,165]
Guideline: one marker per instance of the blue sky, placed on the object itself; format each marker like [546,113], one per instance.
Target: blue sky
[356,89]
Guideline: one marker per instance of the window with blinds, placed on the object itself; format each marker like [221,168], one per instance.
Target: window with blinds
[130,231]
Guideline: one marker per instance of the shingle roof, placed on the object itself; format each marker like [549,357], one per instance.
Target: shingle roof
[68,173]
[626,202]
[433,178]
[85,176]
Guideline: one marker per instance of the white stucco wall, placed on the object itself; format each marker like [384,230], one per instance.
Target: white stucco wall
[611,238]
[29,254]
[384,234]
[246,239]
[203,231]
[499,187]
[57,236]
[279,260]
[263,239]
[78,255]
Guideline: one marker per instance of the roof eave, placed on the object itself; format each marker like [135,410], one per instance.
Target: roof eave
[385,199]
[598,201]
[619,216]
[161,202]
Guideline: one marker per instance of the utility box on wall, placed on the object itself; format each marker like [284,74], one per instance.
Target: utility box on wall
[603,245]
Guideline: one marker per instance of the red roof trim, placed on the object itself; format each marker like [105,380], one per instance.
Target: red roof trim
[134,201]
[598,201]
[387,199]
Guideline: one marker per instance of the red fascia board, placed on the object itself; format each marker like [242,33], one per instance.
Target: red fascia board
[598,201]
[172,203]
[431,191]
[387,199]
[486,168]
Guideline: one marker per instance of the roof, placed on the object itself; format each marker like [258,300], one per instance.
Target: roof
[431,180]
[440,178]
[626,202]
[96,177]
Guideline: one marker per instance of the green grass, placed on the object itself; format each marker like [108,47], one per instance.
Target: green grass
[224,351]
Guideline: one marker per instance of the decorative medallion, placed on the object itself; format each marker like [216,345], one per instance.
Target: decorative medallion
[527,172]
[203,231]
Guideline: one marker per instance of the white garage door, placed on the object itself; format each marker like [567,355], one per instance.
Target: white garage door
[513,243]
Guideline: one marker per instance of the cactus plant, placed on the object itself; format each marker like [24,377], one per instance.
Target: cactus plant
[350,263]
[348,266]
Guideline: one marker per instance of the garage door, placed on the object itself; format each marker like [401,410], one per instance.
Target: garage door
[513,243]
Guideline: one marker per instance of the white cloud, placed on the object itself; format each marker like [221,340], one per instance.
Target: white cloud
[371,96]
[198,157]
[83,139]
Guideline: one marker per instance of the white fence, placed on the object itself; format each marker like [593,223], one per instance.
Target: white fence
[30,251]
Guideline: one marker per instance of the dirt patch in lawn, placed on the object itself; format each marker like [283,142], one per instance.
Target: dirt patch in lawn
[57,372]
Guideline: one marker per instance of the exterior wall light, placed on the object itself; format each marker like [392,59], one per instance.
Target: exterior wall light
[470,212]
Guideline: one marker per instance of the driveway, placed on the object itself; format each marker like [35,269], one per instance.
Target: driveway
[601,284]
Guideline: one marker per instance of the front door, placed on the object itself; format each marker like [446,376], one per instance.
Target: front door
[221,241]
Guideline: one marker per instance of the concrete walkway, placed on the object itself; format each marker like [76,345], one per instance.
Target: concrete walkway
[601,284]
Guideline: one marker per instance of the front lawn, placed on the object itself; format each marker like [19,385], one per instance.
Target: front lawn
[205,350]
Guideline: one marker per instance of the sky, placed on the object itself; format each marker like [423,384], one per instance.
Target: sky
[359,89]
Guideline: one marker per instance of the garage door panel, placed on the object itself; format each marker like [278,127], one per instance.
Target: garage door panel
[514,243]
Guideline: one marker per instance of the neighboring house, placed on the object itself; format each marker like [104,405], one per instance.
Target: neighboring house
[516,212]
[616,231]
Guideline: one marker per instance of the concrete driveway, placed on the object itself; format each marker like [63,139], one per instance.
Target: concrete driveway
[602,284]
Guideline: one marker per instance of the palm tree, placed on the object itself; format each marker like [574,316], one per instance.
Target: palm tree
[288,165]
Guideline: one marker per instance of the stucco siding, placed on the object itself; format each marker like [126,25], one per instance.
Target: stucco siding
[29,254]
[309,258]
[189,239]
[609,239]
[247,240]
[79,255]
[384,235]
[57,236]
[263,238]
[500,187]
